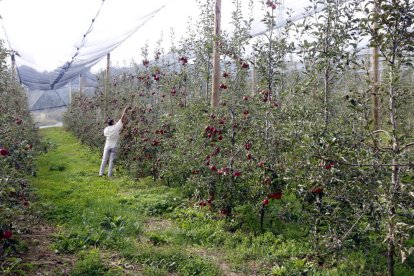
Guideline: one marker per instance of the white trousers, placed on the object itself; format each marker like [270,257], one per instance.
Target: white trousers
[109,153]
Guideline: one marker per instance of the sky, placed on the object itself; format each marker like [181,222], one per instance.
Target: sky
[46,33]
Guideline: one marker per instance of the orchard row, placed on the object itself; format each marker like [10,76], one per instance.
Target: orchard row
[19,145]
[306,137]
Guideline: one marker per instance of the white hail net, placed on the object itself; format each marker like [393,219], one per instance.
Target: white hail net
[54,48]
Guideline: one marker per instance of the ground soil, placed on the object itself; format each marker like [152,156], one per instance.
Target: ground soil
[40,255]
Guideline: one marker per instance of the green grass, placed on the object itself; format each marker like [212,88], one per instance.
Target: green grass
[155,228]
[105,213]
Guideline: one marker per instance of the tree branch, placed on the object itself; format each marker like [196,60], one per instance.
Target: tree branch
[352,227]
[363,165]
[403,148]
[370,135]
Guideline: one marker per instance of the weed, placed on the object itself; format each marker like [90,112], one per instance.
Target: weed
[58,168]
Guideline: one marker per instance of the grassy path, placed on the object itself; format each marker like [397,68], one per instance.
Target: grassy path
[118,226]
[113,226]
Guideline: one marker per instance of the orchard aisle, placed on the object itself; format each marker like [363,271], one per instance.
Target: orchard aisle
[116,226]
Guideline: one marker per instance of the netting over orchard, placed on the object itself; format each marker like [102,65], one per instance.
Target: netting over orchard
[53,49]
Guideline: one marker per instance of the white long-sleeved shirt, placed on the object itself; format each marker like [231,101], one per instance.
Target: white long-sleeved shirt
[112,134]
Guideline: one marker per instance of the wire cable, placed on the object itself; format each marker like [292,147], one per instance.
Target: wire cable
[82,44]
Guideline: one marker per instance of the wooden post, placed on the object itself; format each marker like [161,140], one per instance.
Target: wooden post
[108,64]
[254,90]
[215,96]
[80,84]
[70,93]
[375,76]
[13,67]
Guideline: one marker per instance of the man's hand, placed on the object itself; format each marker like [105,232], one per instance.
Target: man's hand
[123,117]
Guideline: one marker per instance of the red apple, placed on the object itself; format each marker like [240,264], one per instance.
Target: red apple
[245,65]
[183,60]
[223,86]
[248,146]
[7,234]
[213,168]
[4,152]
[249,156]
[265,201]
[237,174]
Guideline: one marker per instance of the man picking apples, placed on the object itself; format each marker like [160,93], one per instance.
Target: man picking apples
[111,132]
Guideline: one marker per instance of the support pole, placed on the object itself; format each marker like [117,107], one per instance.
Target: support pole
[70,93]
[254,88]
[13,67]
[215,96]
[80,84]
[108,65]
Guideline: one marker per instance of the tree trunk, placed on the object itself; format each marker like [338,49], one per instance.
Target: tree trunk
[375,88]
[391,221]
[327,76]
[395,178]
[326,98]
[375,76]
